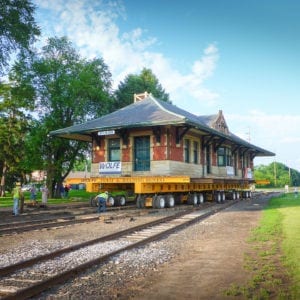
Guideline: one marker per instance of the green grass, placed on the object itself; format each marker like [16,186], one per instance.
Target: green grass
[74,196]
[291,242]
[274,259]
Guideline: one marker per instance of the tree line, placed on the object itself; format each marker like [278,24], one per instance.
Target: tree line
[277,174]
[48,89]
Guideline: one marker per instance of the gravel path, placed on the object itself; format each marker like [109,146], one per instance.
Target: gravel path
[196,263]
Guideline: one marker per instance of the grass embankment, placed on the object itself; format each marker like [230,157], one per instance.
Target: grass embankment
[274,258]
[73,197]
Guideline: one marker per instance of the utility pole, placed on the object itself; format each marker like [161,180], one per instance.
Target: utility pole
[275,175]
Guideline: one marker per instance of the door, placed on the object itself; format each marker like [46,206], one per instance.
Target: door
[142,153]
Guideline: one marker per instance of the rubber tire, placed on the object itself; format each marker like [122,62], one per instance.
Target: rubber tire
[201,198]
[223,196]
[140,201]
[233,195]
[218,197]
[122,200]
[160,202]
[170,201]
[93,201]
[192,199]
[110,201]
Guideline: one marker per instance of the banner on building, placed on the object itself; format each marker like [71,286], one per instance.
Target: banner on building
[229,170]
[248,173]
[110,167]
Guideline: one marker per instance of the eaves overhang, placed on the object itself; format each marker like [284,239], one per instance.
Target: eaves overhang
[246,146]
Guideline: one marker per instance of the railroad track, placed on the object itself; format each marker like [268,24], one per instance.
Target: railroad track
[54,222]
[20,227]
[33,276]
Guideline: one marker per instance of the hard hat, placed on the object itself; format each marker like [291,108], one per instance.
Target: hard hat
[18,183]
[106,192]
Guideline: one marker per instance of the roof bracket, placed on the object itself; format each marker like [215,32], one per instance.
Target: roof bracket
[124,134]
[180,135]
[96,139]
[217,145]
[252,156]
[236,149]
[206,143]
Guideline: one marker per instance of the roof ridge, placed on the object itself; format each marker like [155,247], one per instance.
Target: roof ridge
[163,108]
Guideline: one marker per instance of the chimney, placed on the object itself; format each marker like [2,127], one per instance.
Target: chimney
[139,97]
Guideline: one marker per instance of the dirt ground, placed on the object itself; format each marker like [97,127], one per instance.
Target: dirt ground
[211,259]
[213,262]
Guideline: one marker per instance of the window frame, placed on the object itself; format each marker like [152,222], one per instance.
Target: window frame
[112,148]
[186,150]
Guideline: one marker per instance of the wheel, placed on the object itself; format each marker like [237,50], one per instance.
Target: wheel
[160,201]
[122,200]
[192,199]
[233,195]
[218,197]
[201,198]
[223,196]
[140,201]
[170,201]
[93,201]
[110,201]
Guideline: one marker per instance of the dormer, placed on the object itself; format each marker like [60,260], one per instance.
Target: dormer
[219,123]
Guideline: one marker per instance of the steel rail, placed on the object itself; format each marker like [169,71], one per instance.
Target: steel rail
[46,225]
[29,262]
[46,284]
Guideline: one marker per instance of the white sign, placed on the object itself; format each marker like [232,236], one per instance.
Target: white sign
[248,174]
[230,170]
[110,167]
[107,132]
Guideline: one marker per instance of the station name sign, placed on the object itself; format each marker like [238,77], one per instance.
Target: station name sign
[106,132]
[110,167]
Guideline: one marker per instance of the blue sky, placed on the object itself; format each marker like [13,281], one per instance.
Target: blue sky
[239,56]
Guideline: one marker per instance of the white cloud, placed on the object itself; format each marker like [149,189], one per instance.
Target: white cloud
[94,30]
[277,133]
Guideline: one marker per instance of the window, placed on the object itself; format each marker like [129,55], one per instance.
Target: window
[221,157]
[196,152]
[114,150]
[187,151]
[224,157]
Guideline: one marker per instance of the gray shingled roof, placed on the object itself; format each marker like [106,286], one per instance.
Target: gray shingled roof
[147,113]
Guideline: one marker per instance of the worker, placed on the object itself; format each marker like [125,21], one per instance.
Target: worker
[17,194]
[102,202]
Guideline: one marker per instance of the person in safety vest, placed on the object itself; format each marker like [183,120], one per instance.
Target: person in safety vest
[102,202]
[17,194]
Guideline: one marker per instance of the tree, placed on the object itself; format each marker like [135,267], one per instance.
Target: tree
[13,127]
[18,29]
[278,174]
[68,90]
[135,84]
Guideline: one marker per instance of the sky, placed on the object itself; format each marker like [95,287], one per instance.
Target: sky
[238,56]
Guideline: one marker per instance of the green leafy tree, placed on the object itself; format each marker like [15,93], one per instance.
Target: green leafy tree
[146,81]
[13,127]
[278,174]
[18,29]
[68,90]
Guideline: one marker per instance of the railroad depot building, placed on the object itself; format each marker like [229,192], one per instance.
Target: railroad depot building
[154,138]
